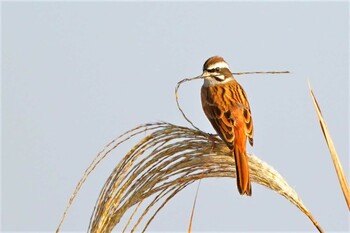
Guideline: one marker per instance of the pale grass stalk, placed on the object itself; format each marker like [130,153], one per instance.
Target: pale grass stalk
[189,230]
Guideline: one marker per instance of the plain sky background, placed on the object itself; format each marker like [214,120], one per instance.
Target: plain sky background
[76,75]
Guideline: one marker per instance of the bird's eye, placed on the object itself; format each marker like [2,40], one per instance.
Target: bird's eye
[213,70]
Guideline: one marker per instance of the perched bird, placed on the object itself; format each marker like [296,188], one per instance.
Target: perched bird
[226,106]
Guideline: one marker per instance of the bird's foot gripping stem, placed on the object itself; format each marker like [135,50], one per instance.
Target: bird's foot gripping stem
[211,138]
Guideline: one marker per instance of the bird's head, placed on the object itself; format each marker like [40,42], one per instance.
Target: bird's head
[216,71]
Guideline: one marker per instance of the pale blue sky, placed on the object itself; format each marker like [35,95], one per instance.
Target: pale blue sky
[76,75]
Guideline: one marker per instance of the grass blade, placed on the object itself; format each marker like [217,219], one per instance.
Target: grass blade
[193,208]
[337,165]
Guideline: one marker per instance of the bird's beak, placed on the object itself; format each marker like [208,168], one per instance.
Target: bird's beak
[205,74]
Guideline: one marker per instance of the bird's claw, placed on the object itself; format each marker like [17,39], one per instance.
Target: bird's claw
[211,138]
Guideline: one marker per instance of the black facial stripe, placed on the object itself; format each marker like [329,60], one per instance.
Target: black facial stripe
[218,79]
[213,70]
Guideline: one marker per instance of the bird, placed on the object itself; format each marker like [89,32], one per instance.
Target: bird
[226,106]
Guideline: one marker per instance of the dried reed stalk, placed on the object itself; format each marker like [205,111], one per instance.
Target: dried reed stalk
[334,155]
[162,164]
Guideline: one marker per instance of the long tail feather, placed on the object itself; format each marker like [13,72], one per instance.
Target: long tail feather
[242,171]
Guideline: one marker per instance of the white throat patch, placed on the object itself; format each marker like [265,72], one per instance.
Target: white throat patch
[212,81]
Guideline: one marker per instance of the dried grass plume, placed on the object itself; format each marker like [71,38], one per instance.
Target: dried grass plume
[166,160]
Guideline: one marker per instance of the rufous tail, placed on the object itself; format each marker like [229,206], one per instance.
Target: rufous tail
[242,171]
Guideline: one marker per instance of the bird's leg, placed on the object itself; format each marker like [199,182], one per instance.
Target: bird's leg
[211,138]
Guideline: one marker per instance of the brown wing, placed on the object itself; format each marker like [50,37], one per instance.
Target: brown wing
[218,113]
[239,95]
[222,107]
[249,130]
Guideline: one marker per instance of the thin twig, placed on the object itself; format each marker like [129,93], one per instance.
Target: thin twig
[262,72]
[177,98]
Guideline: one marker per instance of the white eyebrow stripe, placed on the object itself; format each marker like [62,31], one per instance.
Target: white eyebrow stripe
[218,65]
